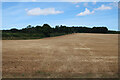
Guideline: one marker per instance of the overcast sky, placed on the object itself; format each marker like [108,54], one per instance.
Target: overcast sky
[20,14]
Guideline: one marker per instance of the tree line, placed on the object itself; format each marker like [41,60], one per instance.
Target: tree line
[47,31]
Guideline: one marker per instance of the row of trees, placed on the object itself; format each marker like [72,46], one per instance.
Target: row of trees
[46,31]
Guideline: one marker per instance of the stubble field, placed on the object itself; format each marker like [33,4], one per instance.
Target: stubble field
[76,55]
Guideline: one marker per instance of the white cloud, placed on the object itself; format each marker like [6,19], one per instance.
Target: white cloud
[115,4]
[85,4]
[75,2]
[94,2]
[103,7]
[26,9]
[34,0]
[77,6]
[86,12]
[39,11]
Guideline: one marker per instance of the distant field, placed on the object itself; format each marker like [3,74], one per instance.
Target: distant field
[76,55]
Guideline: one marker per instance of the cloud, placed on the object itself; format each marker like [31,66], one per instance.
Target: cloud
[94,2]
[77,6]
[115,4]
[85,4]
[103,7]
[34,0]
[86,12]
[39,11]
[75,2]
[26,9]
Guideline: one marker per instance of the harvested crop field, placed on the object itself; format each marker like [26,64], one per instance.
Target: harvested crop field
[76,55]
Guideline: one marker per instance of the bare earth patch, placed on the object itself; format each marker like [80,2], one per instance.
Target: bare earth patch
[74,55]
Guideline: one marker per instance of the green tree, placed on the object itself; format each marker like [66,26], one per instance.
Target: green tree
[46,30]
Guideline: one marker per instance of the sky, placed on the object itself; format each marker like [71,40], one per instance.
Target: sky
[20,14]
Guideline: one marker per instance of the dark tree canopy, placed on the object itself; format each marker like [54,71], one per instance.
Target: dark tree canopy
[47,31]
